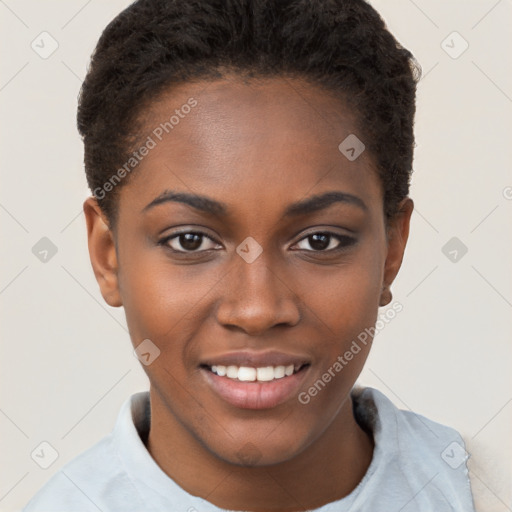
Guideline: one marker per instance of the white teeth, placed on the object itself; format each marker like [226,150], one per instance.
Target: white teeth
[249,374]
[232,372]
[221,371]
[246,374]
[278,372]
[265,374]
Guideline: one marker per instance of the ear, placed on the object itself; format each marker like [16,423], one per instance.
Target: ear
[102,251]
[397,235]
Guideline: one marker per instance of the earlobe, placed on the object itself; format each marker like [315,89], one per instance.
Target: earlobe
[386,296]
[398,233]
[102,252]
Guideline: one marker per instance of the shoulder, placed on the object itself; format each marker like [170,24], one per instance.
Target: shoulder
[404,426]
[83,483]
[426,455]
[97,479]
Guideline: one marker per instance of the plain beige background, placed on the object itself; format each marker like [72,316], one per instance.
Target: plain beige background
[66,358]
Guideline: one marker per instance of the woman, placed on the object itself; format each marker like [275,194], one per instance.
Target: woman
[250,162]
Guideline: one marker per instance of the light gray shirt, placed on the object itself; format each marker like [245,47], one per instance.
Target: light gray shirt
[417,466]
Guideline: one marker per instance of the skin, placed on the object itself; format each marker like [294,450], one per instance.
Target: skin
[257,147]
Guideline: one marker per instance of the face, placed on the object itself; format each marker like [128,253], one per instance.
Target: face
[249,244]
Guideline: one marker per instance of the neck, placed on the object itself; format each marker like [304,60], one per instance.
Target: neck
[327,470]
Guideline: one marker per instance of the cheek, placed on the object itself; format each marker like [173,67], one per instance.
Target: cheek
[346,299]
[162,300]
[347,303]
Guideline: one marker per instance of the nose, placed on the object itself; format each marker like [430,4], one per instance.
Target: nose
[257,297]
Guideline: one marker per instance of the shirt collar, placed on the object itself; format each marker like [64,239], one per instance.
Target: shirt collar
[372,410]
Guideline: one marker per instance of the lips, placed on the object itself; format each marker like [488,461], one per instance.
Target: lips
[255,380]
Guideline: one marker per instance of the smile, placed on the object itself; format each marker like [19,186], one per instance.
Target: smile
[250,374]
[255,383]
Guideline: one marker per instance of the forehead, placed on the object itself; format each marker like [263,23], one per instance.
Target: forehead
[262,140]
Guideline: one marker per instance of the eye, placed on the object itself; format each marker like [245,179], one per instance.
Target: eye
[192,241]
[324,241]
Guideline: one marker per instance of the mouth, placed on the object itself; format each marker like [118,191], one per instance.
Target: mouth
[255,383]
[258,374]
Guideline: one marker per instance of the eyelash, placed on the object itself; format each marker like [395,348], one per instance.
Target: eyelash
[345,241]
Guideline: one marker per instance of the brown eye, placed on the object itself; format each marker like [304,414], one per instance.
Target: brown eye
[189,242]
[325,241]
[319,241]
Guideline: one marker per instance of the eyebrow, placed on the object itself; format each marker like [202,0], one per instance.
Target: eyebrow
[210,206]
[202,203]
[322,201]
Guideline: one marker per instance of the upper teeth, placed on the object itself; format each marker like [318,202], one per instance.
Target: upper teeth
[246,373]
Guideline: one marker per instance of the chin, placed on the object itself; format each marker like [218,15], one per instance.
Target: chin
[258,453]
